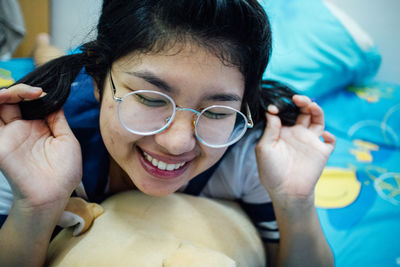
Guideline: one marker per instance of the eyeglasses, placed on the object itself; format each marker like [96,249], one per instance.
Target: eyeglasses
[147,112]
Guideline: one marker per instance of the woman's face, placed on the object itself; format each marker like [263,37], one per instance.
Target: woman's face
[195,79]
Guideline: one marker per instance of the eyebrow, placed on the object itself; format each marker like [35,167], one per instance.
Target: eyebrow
[153,79]
[158,82]
[223,97]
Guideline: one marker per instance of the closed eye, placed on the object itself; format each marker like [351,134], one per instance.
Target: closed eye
[217,115]
[150,101]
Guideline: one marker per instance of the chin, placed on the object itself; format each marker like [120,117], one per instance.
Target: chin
[162,192]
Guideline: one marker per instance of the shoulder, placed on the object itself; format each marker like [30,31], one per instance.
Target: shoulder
[82,111]
[249,141]
[240,158]
[236,176]
[81,107]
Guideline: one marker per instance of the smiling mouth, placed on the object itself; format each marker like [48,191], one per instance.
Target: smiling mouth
[162,165]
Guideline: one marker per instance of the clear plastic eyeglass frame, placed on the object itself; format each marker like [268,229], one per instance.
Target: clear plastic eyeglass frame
[248,118]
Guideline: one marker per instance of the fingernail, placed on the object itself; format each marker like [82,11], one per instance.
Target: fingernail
[41,95]
[272,109]
[35,89]
[304,98]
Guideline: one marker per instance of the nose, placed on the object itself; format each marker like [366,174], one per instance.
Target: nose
[179,137]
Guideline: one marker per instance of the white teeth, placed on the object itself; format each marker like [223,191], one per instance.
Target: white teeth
[170,167]
[147,156]
[162,165]
[154,162]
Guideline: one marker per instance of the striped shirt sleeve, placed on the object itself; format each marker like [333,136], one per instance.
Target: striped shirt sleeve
[263,217]
[6,198]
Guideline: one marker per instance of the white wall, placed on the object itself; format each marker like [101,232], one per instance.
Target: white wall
[73,20]
[381,20]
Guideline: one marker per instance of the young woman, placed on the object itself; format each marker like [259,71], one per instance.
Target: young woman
[159,102]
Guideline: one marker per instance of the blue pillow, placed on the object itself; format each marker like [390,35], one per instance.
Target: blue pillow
[317,48]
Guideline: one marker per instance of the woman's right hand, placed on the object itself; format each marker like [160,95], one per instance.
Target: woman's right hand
[41,159]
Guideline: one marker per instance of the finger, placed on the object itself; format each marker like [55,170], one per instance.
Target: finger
[19,92]
[273,109]
[312,115]
[9,113]
[4,95]
[329,139]
[58,124]
[304,119]
[272,130]
[302,102]
[317,119]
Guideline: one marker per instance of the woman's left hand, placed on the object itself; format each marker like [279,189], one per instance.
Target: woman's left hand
[291,158]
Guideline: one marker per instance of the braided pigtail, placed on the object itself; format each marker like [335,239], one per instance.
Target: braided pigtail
[55,78]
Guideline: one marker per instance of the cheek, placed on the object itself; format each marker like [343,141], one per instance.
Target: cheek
[212,155]
[112,131]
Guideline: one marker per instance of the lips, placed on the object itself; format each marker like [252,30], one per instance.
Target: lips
[161,164]
[162,168]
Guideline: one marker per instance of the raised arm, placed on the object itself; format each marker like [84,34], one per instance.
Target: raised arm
[290,161]
[41,160]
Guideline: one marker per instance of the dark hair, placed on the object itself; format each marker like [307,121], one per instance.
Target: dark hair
[237,31]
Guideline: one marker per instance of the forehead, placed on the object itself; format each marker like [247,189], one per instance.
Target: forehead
[188,69]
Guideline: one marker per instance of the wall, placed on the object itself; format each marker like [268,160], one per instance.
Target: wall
[380,18]
[73,21]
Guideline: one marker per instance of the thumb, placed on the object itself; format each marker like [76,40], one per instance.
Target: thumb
[58,124]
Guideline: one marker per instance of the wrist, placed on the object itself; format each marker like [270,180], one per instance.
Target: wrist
[44,214]
[296,202]
[30,230]
[294,209]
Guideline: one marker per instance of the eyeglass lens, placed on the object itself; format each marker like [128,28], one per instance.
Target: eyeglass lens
[148,112]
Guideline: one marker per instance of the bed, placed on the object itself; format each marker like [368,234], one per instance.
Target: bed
[323,53]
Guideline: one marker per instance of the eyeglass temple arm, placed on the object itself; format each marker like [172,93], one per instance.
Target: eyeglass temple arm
[250,122]
[113,89]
